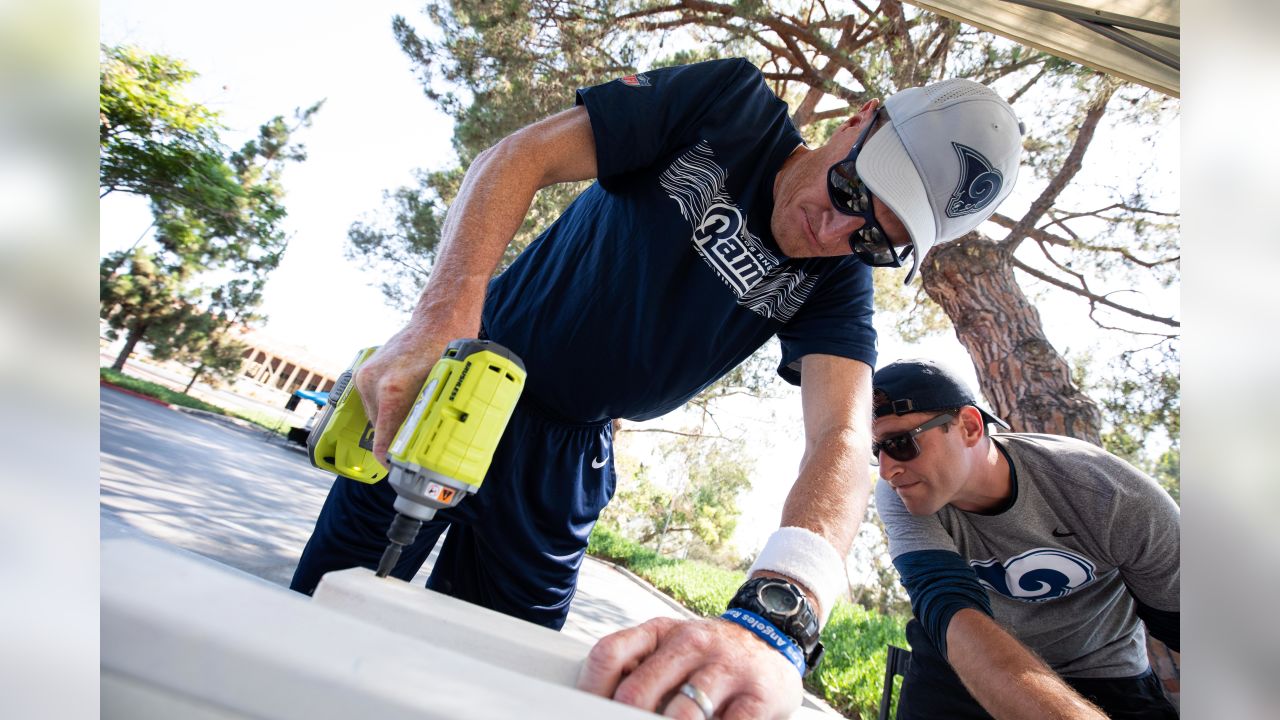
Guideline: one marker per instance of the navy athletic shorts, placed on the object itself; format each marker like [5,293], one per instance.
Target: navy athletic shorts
[931,689]
[515,546]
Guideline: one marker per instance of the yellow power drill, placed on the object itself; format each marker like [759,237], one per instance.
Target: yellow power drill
[444,446]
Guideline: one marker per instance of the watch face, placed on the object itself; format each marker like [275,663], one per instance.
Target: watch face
[778,598]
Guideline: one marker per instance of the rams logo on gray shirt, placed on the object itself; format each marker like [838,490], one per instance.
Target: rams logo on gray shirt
[1036,575]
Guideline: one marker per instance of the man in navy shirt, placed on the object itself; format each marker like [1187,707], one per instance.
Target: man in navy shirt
[710,229]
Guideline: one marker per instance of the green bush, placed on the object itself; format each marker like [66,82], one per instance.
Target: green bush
[850,677]
[704,589]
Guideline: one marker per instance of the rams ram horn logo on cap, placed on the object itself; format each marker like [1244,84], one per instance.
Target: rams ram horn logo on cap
[979,183]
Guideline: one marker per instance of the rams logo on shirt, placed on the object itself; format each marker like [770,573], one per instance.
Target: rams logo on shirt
[718,238]
[760,281]
[1036,575]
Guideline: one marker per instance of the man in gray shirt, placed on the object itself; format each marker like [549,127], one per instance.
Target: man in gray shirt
[1030,560]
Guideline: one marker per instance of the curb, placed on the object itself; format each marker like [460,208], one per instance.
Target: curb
[225,419]
[135,393]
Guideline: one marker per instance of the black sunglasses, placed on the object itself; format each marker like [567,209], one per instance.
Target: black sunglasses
[851,196]
[902,446]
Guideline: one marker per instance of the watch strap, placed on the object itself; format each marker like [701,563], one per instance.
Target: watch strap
[771,635]
[801,627]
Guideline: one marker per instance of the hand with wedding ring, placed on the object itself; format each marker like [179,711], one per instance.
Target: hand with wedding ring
[693,669]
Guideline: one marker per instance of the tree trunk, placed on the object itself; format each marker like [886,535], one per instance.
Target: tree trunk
[135,335]
[1023,377]
[194,376]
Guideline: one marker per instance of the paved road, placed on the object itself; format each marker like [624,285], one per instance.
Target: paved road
[247,499]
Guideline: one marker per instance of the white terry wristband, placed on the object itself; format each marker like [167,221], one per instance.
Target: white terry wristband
[807,557]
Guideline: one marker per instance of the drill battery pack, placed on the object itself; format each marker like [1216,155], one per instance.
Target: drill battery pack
[342,439]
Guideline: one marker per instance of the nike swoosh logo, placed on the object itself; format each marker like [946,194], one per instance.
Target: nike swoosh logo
[597,464]
[1062,534]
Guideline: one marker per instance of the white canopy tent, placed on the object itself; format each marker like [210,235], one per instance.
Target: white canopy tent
[1137,40]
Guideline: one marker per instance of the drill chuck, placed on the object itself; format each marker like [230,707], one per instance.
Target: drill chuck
[403,531]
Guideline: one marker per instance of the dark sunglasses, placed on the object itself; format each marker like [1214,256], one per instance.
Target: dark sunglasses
[851,196]
[902,446]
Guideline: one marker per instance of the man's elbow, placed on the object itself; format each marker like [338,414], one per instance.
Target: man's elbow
[557,149]
[503,150]
[514,162]
[486,155]
[838,443]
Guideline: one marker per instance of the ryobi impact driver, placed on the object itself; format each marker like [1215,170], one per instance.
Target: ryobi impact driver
[444,446]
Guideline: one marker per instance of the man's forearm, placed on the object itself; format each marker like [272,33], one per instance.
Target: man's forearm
[477,231]
[830,494]
[829,497]
[1006,678]
[492,203]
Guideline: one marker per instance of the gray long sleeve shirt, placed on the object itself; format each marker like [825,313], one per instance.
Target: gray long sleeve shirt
[1086,534]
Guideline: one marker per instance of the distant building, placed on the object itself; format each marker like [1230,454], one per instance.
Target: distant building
[273,365]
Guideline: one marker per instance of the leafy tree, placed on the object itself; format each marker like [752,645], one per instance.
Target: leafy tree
[1140,397]
[638,504]
[212,209]
[1168,471]
[205,338]
[882,592]
[141,296]
[155,143]
[695,518]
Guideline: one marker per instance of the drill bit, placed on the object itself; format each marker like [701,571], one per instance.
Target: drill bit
[402,532]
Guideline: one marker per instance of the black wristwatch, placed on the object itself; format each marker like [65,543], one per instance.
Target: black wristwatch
[786,607]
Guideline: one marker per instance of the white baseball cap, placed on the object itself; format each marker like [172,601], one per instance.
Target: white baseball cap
[946,159]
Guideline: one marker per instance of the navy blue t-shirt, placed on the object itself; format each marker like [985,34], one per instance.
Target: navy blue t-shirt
[664,275]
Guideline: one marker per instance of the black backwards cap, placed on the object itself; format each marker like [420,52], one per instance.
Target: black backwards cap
[908,386]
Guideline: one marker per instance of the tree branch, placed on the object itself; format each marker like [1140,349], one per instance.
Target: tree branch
[1043,236]
[832,113]
[1093,298]
[1044,69]
[1003,70]
[1070,166]
[1163,336]
[672,432]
